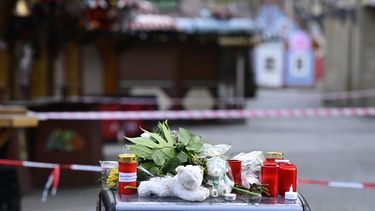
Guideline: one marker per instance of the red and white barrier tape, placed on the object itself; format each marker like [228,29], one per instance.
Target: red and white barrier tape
[53,181]
[207,114]
[31,164]
[330,96]
[54,178]
[336,184]
[367,93]
[55,173]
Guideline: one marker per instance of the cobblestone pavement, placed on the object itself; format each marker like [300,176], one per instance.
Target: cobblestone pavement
[340,149]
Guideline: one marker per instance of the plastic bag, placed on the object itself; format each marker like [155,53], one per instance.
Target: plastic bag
[250,163]
[219,179]
[109,173]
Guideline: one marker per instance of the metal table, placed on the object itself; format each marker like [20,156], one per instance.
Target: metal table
[110,200]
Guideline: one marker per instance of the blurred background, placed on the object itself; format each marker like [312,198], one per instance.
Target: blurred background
[173,55]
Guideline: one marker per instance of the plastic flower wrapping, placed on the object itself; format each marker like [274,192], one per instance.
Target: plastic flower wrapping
[160,152]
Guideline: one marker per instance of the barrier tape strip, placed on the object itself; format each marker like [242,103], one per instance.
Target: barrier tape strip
[47,186]
[336,184]
[91,168]
[54,177]
[330,96]
[31,164]
[207,114]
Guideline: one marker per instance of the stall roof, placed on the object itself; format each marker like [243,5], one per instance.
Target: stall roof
[152,22]
[211,25]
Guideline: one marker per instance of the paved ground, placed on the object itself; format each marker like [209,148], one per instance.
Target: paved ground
[323,148]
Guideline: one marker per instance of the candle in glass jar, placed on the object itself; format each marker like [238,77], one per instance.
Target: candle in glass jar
[287,177]
[127,173]
[272,156]
[270,178]
[235,166]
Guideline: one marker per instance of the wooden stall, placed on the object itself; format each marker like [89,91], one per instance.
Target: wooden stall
[177,63]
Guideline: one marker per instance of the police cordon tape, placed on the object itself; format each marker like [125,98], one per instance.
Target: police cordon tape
[336,184]
[207,114]
[31,164]
[91,168]
[307,97]
[54,177]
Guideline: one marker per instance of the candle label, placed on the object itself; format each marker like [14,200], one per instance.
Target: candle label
[127,177]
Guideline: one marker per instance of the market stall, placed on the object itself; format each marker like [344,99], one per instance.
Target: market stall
[178,54]
[65,141]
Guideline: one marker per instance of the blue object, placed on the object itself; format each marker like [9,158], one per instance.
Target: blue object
[299,68]
[211,25]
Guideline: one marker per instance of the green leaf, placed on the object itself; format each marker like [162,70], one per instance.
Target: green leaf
[130,187]
[154,170]
[151,167]
[140,151]
[158,138]
[143,142]
[147,165]
[169,152]
[170,166]
[182,156]
[159,157]
[195,144]
[183,136]
[167,133]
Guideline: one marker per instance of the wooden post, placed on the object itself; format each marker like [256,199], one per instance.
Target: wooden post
[3,55]
[40,79]
[73,69]
[110,66]
[3,73]
[240,74]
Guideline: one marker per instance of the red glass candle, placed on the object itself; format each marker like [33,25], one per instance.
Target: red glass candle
[235,166]
[127,173]
[270,177]
[287,177]
[272,156]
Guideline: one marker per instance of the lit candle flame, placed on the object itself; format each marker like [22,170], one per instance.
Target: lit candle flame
[291,188]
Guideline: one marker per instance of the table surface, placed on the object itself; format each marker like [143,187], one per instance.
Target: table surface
[134,202]
[16,117]
[17,121]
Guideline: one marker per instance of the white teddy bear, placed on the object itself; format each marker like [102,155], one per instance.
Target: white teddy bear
[218,179]
[185,185]
[217,168]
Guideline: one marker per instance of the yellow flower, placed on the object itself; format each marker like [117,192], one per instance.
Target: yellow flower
[112,178]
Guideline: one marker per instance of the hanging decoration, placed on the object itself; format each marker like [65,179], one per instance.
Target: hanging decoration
[93,4]
[99,15]
[22,9]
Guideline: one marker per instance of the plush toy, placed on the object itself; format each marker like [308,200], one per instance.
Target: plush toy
[218,179]
[185,185]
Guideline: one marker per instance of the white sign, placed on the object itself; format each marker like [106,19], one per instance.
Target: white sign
[127,177]
[269,64]
[299,66]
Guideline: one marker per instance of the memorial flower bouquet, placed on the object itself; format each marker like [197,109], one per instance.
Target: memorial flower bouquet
[161,151]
